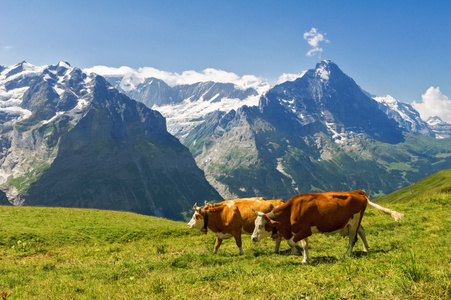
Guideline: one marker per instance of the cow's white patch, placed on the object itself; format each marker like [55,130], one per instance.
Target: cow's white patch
[196,222]
[259,230]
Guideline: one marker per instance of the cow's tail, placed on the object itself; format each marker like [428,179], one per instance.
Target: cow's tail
[394,214]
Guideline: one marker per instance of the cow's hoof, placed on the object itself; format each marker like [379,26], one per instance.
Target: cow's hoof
[304,262]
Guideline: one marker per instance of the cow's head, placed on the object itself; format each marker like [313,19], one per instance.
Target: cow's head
[197,221]
[263,227]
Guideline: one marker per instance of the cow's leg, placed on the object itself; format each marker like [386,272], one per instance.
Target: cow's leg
[217,244]
[362,235]
[238,242]
[299,236]
[352,238]
[292,244]
[277,247]
[304,244]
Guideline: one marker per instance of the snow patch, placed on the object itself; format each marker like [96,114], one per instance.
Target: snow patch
[323,72]
[394,105]
[188,114]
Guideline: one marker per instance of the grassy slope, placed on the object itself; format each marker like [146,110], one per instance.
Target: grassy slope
[54,253]
[439,182]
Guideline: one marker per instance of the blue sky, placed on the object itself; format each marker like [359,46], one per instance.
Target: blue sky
[401,48]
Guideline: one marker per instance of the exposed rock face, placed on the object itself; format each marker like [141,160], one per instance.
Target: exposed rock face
[71,139]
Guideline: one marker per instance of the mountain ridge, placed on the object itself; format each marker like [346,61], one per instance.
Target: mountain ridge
[315,133]
[71,139]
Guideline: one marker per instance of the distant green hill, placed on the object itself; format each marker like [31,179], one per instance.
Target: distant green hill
[439,182]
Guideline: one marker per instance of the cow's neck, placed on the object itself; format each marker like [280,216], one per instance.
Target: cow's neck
[205,228]
[272,217]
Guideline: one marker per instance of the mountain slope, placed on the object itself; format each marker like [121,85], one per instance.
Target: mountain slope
[74,140]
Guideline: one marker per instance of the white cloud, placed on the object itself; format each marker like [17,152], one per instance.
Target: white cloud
[314,38]
[434,103]
[133,76]
[289,77]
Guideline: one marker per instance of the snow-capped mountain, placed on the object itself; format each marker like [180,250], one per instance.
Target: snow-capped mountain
[184,100]
[69,138]
[326,97]
[441,129]
[404,114]
[320,132]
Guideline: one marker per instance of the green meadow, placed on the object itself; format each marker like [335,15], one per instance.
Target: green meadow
[60,253]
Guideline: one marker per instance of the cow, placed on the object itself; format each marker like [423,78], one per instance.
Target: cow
[305,214]
[232,218]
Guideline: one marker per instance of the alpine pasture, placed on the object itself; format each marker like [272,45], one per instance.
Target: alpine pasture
[61,253]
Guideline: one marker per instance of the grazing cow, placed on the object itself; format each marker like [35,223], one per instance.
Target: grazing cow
[305,214]
[232,218]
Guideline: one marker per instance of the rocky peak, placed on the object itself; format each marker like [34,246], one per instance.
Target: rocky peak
[327,98]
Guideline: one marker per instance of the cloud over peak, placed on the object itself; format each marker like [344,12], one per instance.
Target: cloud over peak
[314,38]
[434,103]
[187,77]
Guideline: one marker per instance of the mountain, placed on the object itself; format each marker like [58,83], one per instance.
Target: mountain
[69,138]
[405,115]
[186,105]
[441,129]
[319,132]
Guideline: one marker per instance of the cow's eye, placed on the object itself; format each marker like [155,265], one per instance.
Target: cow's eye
[197,217]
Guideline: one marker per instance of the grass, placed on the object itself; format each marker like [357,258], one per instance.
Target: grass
[437,183]
[60,253]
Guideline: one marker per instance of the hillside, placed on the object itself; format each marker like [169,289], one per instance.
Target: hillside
[439,182]
[61,253]
[70,139]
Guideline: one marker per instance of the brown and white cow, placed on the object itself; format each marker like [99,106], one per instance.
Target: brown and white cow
[331,212]
[232,218]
